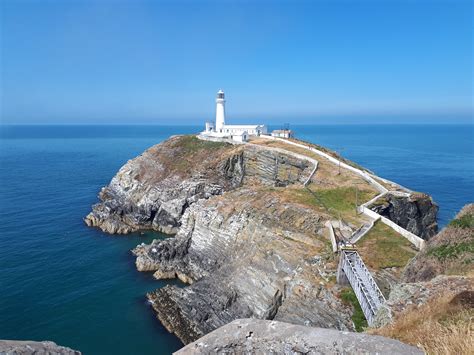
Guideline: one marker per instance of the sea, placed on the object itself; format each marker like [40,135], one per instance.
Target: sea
[76,286]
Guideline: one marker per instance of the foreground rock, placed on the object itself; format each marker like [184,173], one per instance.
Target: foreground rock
[252,336]
[17,347]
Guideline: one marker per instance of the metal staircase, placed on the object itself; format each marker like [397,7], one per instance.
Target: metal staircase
[352,268]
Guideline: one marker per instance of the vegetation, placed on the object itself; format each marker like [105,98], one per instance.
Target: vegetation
[349,297]
[465,221]
[191,144]
[382,247]
[341,199]
[441,326]
[451,251]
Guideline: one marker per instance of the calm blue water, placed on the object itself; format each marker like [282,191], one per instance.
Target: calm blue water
[62,281]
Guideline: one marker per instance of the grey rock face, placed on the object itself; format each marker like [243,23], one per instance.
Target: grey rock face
[17,347]
[153,190]
[252,336]
[416,213]
[257,257]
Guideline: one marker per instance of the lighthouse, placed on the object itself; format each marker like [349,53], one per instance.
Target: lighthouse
[226,132]
[220,111]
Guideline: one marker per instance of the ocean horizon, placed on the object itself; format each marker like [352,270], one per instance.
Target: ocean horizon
[78,286]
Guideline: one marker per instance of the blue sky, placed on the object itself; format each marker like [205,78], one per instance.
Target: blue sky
[294,61]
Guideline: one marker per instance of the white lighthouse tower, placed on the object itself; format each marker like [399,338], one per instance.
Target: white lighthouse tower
[220,111]
[221,131]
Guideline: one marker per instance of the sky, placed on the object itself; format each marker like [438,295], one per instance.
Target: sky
[162,62]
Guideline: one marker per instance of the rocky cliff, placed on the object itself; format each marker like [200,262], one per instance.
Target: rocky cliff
[250,239]
[416,213]
[153,190]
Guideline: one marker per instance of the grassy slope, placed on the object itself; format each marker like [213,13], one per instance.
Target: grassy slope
[450,252]
[443,325]
[382,247]
[338,201]
[189,150]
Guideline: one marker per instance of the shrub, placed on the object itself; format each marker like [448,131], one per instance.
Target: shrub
[466,221]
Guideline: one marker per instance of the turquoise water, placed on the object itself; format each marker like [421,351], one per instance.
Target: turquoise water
[77,286]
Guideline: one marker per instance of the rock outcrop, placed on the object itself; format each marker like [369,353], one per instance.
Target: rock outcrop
[250,240]
[252,336]
[18,347]
[260,257]
[153,190]
[416,213]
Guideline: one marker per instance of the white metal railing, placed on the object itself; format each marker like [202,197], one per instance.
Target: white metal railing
[365,288]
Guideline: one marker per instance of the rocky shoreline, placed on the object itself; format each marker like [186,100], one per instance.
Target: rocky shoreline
[28,347]
[249,239]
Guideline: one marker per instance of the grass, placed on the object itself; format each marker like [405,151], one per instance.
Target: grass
[451,251]
[340,199]
[440,326]
[466,221]
[349,297]
[382,247]
[191,144]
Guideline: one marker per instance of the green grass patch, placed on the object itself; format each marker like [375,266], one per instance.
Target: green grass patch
[190,144]
[466,221]
[349,297]
[341,199]
[382,247]
[453,251]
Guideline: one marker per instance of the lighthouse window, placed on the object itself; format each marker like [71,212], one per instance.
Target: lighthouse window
[220,95]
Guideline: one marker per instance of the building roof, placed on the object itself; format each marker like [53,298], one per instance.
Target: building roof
[282,131]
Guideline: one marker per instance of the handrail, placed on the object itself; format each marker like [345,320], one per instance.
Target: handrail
[365,288]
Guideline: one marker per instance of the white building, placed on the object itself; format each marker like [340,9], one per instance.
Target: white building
[239,133]
[283,133]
